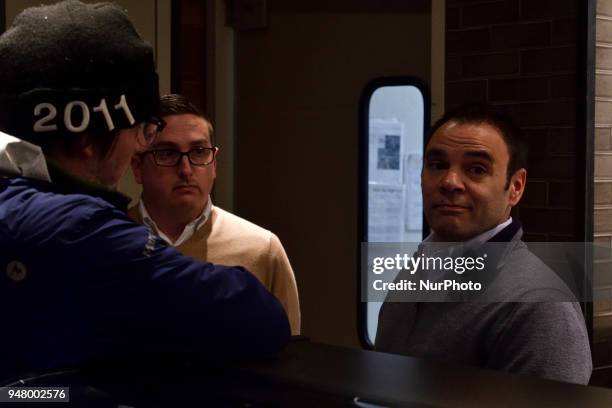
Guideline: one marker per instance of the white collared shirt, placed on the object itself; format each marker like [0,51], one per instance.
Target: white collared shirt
[189,229]
[477,240]
[474,243]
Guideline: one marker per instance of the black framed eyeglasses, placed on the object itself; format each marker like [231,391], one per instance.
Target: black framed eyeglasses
[198,156]
[150,129]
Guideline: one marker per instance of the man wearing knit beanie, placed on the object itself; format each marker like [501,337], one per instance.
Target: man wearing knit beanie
[78,280]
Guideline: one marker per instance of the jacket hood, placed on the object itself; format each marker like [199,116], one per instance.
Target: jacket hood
[19,158]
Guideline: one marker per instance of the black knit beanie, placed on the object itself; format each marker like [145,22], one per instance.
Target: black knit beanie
[72,67]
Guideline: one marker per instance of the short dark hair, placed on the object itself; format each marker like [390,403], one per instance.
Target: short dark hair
[176,104]
[512,134]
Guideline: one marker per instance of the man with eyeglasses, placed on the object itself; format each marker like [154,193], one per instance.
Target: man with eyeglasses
[79,280]
[177,175]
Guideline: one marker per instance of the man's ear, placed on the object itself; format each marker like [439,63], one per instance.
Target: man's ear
[517,186]
[136,163]
[83,147]
[214,163]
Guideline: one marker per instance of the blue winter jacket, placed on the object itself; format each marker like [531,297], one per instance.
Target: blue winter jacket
[80,281]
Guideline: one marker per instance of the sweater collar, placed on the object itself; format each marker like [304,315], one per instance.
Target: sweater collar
[503,232]
[508,231]
[189,230]
[511,232]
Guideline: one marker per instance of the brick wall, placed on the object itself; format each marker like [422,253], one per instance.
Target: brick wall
[603,124]
[602,321]
[520,55]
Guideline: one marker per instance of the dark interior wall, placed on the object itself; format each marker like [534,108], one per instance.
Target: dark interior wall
[298,83]
[2,16]
[520,55]
[189,62]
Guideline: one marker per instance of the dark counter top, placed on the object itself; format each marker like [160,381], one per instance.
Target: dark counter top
[308,374]
[392,380]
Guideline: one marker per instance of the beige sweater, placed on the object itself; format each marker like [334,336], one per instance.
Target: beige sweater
[227,239]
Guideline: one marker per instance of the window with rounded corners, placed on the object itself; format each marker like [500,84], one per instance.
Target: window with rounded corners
[393,118]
